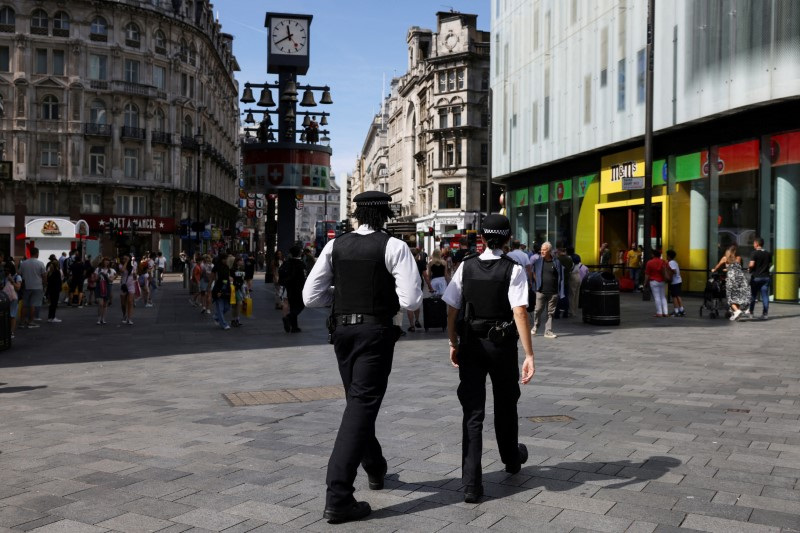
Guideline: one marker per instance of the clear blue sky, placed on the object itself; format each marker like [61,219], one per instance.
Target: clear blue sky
[353,45]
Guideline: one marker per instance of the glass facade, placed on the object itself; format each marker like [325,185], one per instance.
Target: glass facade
[703,201]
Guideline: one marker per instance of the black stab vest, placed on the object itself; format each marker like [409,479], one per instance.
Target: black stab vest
[362,284]
[485,286]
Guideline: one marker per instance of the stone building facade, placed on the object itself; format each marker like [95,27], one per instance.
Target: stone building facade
[429,145]
[101,103]
[317,207]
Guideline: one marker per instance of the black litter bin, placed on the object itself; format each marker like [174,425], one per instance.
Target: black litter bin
[5,322]
[600,299]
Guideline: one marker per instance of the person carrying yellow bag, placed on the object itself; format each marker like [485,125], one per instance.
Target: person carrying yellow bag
[237,294]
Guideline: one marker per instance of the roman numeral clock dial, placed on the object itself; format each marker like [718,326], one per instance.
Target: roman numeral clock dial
[289,36]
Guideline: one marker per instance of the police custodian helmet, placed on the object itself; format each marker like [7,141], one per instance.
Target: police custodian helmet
[496,225]
[372,199]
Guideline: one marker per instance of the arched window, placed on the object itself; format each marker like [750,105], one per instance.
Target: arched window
[61,24]
[188,129]
[133,36]
[97,112]
[184,51]
[7,16]
[39,22]
[131,116]
[193,55]
[99,28]
[159,121]
[161,42]
[50,108]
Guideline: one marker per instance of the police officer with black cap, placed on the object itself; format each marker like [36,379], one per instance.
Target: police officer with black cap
[487,311]
[367,276]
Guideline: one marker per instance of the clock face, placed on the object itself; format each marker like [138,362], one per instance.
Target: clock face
[289,36]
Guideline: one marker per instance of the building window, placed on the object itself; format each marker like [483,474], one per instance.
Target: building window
[8,19]
[158,166]
[138,205]
[160,77]
[61,24]
[47,202]
[460,78]
[97,112]
[442,82]
[603,57]
[458,153]
[484,154]
[621,85]
[485,80]
[5,59]
[39,22]
[186,172]
[193,55]
[187,85]
[58,62]
[449,155]
[131,116]
[91,203]
[188,129]
[587,99]
[485,119]
[99,29]
[41,61]
[450,196]
[98,67]
[161,42]
[442,118]
[122,205]
[158,120]
[50,108]
[451,80]
[97,160]
[183,51]
[456,118]
[131,163]
[546,117]
[49,154]
[164,209]
[534,122]
[131,71]
[133,37]
[640,75]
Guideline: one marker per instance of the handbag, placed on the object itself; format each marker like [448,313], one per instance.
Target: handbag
[9,291]
[247,306]
[233,297]
[646,293]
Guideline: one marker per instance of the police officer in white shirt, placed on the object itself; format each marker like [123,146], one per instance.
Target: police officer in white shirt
[488,301]
[367,276]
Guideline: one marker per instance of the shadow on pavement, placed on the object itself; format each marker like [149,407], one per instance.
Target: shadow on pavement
[11,390]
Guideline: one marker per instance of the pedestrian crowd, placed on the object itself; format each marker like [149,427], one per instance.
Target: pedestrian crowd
[74,280]
[220,284]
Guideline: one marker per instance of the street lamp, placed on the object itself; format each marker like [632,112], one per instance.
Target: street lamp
[198,139]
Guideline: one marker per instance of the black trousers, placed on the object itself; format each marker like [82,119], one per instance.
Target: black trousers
[296,307]
[476,359]
[52,297]
[364,353]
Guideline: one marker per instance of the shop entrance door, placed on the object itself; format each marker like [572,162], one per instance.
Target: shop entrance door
[622,226]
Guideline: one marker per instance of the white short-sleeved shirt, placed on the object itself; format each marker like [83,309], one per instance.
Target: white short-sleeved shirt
[318,289]
[517,290]
[676,276]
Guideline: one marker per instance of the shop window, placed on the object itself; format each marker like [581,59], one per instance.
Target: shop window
[91,203]
[98,67]
[738,197]
[785,158]
[47,202]
[97,160]
[449,196]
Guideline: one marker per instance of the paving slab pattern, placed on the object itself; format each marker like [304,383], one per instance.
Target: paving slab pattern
[679,424]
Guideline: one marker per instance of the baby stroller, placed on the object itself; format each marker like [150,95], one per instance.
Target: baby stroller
[714,295]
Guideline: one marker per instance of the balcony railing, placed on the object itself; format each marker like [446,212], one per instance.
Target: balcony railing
[7,28]
[98,85]
[60,32]
[98,37]
[101,130]
[189,143]
[38,30]
[161,137]
[130,132]
[138,89]
[132,43]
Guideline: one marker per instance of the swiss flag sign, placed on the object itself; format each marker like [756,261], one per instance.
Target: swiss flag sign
[275,174]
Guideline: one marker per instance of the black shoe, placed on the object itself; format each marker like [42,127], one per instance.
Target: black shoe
[296,330]
[473,494]
[417,324]
[376,480]
[357,511]
[286,327]
[513,468]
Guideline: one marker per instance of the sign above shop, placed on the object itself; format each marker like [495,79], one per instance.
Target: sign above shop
[632,184]
[144,224]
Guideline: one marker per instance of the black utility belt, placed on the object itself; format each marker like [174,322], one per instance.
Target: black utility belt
[497,332]
[359,318]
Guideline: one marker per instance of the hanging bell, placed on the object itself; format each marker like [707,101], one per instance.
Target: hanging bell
[326,97]
[266,99]
[270,137]
[268,120]
[249,119]
[308,99]
[289,115]
[306,122]
[247,134]
[289,92]
[247,96]
[303,137]
[324,121]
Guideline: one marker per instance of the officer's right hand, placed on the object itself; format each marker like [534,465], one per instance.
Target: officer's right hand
[454,356]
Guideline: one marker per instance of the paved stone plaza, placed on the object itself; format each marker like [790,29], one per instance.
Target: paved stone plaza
[679,425]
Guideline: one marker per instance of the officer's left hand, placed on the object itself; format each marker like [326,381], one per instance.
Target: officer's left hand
[454,356]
